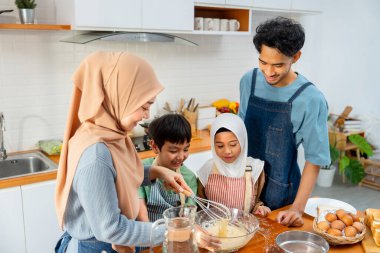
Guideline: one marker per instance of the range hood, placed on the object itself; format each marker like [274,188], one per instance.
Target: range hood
[127,37]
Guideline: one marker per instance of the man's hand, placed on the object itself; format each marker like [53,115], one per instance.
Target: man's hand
[291,217]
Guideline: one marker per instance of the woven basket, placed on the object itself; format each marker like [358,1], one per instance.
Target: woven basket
[338,240]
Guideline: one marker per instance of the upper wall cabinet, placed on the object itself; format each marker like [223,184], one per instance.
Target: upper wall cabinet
[119,15]
[248,3]
[288,5]
[168,15]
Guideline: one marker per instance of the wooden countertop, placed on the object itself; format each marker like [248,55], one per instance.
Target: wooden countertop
[198,144]
[265,241]
[308,226]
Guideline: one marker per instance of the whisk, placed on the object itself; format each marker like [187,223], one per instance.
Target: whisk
[214,210]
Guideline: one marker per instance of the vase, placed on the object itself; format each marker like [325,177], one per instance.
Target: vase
[326,177]
[26,16]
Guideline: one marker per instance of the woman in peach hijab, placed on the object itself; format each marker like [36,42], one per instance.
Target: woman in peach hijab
[99,170]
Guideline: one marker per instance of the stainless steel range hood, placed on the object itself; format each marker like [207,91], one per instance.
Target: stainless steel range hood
[127,37]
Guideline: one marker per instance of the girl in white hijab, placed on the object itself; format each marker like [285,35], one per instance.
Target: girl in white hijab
[230,177]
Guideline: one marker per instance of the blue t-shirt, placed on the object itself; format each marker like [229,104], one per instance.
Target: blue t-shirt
[308,116]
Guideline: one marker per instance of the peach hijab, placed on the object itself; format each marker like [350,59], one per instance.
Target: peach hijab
[108,86]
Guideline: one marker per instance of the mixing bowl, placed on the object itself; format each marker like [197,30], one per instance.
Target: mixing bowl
[239,229]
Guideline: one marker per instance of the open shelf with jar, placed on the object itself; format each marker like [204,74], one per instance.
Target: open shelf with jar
[222,20]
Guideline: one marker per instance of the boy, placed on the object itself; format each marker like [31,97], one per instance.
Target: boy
[170,139]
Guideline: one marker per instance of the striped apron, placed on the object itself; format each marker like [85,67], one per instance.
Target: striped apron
[240,192]
[161,199]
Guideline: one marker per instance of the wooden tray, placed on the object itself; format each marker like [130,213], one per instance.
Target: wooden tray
[369,244]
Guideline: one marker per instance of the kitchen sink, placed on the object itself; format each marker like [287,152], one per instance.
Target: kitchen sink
[25,164]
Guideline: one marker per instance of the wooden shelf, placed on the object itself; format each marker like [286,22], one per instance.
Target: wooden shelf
[242,15]
[341,141]
[35,27]
[370,184]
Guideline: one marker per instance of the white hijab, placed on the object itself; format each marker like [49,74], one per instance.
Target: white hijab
[236,169]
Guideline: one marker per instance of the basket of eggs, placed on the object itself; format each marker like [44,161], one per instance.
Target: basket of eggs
[339,227]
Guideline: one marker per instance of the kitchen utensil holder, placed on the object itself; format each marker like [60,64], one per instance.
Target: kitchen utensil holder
[192,119]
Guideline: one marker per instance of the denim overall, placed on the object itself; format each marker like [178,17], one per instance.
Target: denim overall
[84,246]
[271,139]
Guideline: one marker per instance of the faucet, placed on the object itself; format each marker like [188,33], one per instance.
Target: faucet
[3,152]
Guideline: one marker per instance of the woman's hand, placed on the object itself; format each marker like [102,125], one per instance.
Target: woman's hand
[263,211]
[171,179]
[204,239]
[290,217]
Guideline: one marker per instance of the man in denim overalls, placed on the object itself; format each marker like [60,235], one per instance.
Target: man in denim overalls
[282,109]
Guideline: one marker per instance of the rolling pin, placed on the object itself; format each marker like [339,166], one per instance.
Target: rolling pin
[342,117]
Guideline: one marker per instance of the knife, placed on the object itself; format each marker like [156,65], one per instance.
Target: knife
[189,104]
[196,107]
[3,11]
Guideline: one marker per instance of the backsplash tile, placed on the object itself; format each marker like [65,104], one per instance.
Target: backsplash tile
[36,70]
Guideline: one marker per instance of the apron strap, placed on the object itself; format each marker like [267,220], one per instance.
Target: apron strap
[248,189]
[300,89]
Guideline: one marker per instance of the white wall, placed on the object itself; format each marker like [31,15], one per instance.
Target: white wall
[36,69]
[342,54]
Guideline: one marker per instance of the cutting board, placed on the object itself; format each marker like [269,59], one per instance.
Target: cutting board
[369,244]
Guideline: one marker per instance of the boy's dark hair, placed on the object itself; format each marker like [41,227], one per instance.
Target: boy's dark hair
[285,34]
[170,127]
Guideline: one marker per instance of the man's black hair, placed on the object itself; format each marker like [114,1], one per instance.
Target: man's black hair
[285,34]
[170,127]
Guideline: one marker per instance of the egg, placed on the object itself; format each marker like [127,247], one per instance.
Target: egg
[354,217]
[359,226]
[347,219]
[340,213]
[338,224]
[334,231]
[350,231]
[330,217]
[323,225]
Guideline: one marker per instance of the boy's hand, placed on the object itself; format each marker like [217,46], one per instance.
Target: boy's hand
[263,211]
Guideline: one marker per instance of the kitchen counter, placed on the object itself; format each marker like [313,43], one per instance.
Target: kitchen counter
[198,144]
[260,243]
[308,226]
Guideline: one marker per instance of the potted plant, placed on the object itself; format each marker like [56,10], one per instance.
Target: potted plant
[326,173]
[26,10]
[351,168]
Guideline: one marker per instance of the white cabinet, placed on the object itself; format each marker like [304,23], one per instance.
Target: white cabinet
[248,3]
[28,223]
[272,4]
[168,15]
[40,221]
[129,15]
[289,5]
[219,2]
[111,13]
[12,238]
